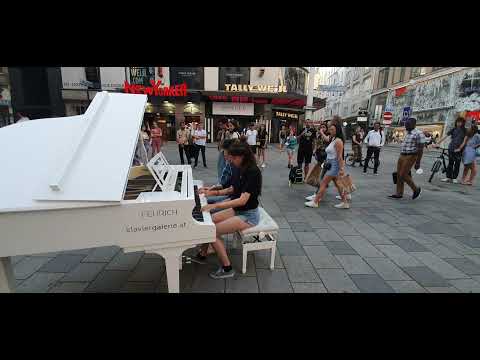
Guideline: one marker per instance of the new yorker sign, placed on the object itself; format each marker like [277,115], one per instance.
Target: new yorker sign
[156,89]
[256,88]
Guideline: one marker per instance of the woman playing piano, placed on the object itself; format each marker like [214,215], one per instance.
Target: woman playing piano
[239,213]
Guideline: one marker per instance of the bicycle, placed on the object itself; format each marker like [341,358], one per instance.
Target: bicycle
[438,163]
[350,159]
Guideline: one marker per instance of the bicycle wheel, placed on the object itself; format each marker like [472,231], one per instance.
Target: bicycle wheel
[435,168]
[350,159]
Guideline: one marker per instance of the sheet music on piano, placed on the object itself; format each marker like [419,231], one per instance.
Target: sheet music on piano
[67,195]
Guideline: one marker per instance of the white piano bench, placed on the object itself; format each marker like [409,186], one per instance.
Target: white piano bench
[261,237]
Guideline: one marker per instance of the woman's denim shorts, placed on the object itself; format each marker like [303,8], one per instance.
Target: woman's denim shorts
[251,217]
[335,167]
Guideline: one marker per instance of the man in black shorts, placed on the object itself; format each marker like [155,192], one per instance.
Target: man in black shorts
[305,147]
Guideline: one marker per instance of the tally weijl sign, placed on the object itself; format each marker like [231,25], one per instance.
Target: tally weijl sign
[256,88]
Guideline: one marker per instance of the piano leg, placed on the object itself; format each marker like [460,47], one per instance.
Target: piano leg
[172,265]
[7,281]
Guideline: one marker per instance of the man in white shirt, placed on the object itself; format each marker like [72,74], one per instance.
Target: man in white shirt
[200,139]
[252,137]
[375,140]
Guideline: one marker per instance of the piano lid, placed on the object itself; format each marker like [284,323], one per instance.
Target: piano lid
[83,158]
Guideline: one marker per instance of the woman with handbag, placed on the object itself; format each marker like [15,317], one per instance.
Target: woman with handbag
[335,168]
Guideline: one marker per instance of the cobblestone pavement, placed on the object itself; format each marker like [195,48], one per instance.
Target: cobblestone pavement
[431,244]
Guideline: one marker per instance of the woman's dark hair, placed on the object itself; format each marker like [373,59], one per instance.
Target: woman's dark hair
[227,143]
[339,132]
[473,131]
[462,120]
[235,125]
[240,148]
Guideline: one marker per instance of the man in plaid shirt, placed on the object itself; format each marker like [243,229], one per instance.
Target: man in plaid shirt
[410,154]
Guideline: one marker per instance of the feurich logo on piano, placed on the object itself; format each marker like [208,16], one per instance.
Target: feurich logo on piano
[159,212]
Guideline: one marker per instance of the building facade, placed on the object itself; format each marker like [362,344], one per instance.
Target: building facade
[275,96]
[435,96]
[6,111]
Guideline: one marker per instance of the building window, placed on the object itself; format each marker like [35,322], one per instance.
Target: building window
[233,75]
[92,74]
[418,71]
[437,68]
[470,84]
[383,78]
[401,77]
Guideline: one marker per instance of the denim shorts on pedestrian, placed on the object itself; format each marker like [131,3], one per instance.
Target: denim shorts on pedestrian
[251,217]
[334,169]
[290,151]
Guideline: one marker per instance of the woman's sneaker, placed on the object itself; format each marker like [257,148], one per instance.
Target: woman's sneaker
[349,197]
[446,180]
[311,204]
[222,274]
[343,206]
[311,197]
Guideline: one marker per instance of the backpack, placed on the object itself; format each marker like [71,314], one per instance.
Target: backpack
[296,175]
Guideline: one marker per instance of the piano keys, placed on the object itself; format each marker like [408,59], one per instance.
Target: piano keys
[75,197]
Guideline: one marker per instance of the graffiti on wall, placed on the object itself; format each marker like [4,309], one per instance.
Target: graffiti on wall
[433,94]
[468,91]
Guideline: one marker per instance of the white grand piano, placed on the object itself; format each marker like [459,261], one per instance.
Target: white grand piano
[67,183]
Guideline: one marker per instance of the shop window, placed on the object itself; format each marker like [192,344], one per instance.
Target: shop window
[233,75]
[192,76]
[470,84]
[92,74]
[142,75]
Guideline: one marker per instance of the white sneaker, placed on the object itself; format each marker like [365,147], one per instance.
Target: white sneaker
[264,166]
[446,180]
[343,206]
[455,181]
[349,197]
[311,197]
[311,204]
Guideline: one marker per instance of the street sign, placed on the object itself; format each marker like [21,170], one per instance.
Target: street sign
[387,115]
[361,118]
[407,112]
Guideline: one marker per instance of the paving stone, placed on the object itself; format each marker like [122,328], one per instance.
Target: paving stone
[109,281]
[387,269]
[340,248]
[290,249]
[425,276]
[293,216]
[437,227]
[84,272]
[470,241]
[262,260]
[467,266]
[466,285]
[124,261]
[39,283]
[406,287]
[443,252]
[148,271]
[371,284]
[69,287]
[300,226]
[16,259]
[242,285]
[439,290]
[102,254]
[398,255]
[281,222]
[62,263]
[328,235]
[285,235]
[273,281]
[50,254]
[237,263]
[337,281]
[354,264]
[29,265]
[342,228]
[300,269]
[139,287]
[203,283]
[409,245]
[439,266]
[309,288]
[363,247]
[308,238]
[79,252]
[321,257]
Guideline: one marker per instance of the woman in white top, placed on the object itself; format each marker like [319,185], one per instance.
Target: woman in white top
[335,166]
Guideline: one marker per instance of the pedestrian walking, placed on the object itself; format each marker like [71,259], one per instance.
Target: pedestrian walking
[375,140]
[182,142]
[335,167]
[190,145]
[262,145]
[471,145]
[291,145]
[357,142]
[251,135]
[411,152]
[220,139]
[147,142]
[457,136]
[200,139]
[305,148]
[282,136]
[156,135]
